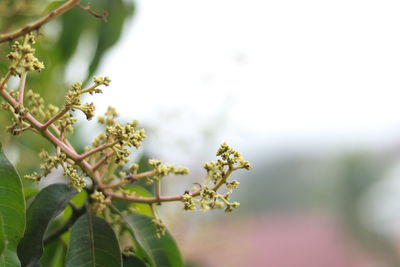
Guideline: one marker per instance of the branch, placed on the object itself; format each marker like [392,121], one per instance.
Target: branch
[38,126]
[159,199]
[103,16]
[96,149]
[125,180]
[144,174]
[158,190]
[128,179]
[101,161]
[40,22]
[54,118]
[148,200]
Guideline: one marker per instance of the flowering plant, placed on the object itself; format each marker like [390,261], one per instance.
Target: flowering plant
[104,220]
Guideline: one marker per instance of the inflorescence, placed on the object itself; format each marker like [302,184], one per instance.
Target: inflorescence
[109,152]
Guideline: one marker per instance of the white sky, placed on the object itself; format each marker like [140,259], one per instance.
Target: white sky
[276,72]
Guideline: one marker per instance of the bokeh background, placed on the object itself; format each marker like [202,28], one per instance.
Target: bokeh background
[307,91]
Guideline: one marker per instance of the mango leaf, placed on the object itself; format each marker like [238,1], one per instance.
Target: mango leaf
[78,200]
[133,261]
[12,211]
[48,204]
[93,243]
[30,192]
[161,252]
[54,254]
[2,236]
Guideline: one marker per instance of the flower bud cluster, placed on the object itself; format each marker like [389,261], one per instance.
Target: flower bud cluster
[18,125]
[48,163]
[22,57]
[160,227]
[73,101]
[102,80]
[99,202]
[66,123]
[124,136]
[217,175]
[188,202]
[162,170]
[76,181]
[35,103]
[109,117]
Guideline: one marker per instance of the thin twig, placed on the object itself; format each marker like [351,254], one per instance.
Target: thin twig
[158,190]
[96,149]
[103,16]
[125,180]
[144,174]
[55,118]
[160,199]
[102,161]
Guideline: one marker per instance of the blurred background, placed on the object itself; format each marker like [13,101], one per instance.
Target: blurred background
[307,91]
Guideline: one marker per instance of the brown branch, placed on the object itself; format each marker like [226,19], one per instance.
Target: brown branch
[55,118]
[158,190]
[40,22]
[96,149]
[125,180]
[101,161]
[38,126]
[144,174]
[159,199]
[103,16]
[128,179]
[148,200]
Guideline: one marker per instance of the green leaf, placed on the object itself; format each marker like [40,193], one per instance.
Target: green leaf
[133,261]
[47,205]
[54,254]
[162,252]
[2,236]
[30,192]
[12,210]
[93,243]
[78,200]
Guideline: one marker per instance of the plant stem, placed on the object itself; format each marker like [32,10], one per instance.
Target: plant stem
[101,161]
[95,150]
[54,118]
[21,88]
